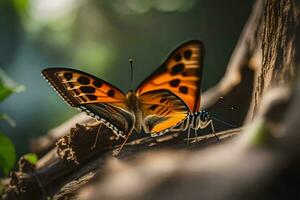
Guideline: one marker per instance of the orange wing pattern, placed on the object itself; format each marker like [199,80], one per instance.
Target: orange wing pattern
[78,87]
[181,74]
[94,96]
[161,110]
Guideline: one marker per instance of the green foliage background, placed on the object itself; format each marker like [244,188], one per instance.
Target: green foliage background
[98,36]
[7,148]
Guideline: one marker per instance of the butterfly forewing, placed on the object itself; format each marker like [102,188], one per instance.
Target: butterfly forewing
[78,87]
[96,97]
[180,74]
[161,110]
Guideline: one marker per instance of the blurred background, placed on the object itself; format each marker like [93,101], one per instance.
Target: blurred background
[98,36]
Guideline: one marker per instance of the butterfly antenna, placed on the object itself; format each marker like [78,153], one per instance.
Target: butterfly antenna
[131,73]
[232,108]
[223,122]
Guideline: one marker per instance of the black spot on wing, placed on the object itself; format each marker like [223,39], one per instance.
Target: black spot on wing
[87,89]
[97,83]
[91,97]
[174,83]
[68,76]
[83,80]
[177,68]
[187,54]
[183,89]
[177,57]
[111,93]
[153,107]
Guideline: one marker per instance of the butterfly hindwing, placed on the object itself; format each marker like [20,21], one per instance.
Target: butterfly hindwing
[161,110]
[119,120]
[180,73]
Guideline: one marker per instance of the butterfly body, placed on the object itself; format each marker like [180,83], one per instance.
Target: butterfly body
[162,101]
[196,121]
[135,107]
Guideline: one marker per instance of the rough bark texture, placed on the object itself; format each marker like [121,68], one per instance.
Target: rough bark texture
[280,45]
[261,163]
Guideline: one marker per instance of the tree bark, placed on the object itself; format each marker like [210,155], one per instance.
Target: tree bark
[280,45]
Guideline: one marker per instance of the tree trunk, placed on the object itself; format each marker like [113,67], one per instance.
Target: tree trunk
[280,46]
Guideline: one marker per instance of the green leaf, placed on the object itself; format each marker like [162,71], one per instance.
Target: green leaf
[4,91]
[8,86]
[21,5]
[7,154]
[8,119]
[31,157]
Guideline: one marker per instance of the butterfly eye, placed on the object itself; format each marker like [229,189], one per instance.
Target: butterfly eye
[204,116]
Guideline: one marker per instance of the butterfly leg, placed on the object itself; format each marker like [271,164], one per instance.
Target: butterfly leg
[213,129]
[196,135]
[97,135]
[204,124]
[189,134]
[117,151]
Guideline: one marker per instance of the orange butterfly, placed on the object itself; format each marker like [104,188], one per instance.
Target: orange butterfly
[160,102]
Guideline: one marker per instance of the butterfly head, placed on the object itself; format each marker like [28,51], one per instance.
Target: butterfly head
[131,98]
[204,116]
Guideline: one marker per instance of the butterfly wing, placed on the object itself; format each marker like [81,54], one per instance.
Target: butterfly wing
[96,97]
[161,110]
[180,73]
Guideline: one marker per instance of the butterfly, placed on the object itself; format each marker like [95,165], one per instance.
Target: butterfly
[162,101]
